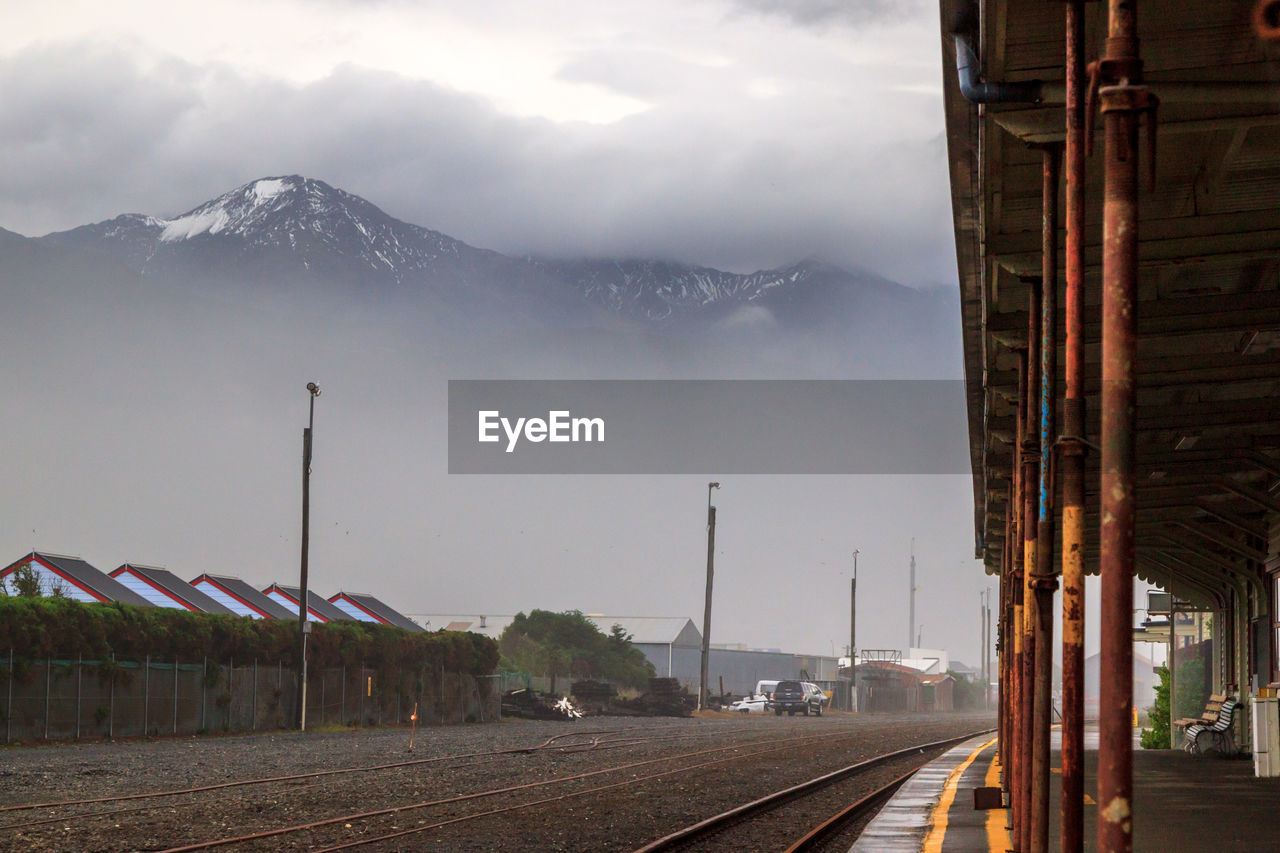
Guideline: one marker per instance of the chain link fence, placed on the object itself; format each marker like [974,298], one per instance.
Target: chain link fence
[52,699]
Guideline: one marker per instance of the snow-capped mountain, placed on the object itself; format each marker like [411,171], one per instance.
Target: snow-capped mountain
[291,216]
[296,230]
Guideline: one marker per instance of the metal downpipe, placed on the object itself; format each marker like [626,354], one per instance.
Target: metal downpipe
[1043,582]
[974,89]
[1071,459]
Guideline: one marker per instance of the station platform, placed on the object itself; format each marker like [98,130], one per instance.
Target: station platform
[1181,803]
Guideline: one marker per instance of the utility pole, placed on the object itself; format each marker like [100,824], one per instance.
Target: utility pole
[853,634]
[982,643]
[703,692]
[911,618]
[986,655]
[314,390]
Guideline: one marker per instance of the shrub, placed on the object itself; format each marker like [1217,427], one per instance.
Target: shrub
[45,627]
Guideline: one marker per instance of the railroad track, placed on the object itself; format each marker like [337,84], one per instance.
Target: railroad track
[312,795]
[727,827]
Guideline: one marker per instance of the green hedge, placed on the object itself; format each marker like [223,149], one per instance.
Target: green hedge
[60,627]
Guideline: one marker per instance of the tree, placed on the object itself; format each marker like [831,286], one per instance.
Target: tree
[551,644]
[26,583]
[966,693]
[1157,737]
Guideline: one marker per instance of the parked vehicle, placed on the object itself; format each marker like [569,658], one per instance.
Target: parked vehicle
[750,704]
[765,688]
[792,696]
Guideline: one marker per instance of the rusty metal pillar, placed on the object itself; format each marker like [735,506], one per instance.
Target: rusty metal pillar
[1004,646]
[1071,457]
[1122,100]
[1017,550]
[1042,581]
[1030,500]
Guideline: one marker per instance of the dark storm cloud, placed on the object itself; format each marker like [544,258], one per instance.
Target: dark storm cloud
[826,12]
[747,181]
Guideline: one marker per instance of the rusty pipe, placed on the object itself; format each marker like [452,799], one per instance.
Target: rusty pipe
[1122,103]
[1072,447]
[1043,583]
[1017,550]
[1030,510]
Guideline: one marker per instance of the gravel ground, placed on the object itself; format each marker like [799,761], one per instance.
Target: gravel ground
[742,758]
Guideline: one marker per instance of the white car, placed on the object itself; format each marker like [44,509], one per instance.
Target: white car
[751,704]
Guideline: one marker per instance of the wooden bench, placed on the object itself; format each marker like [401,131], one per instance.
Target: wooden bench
[1212,731]
[1210,715]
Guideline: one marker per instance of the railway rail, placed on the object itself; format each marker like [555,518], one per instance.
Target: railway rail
[566,770]
[762,807]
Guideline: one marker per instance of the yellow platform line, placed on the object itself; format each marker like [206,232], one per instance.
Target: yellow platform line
[938,818]
[997,819]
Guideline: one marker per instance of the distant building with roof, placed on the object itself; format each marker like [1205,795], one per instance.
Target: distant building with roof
[241,598]
[75,578]
[673,644]
[366,608]
[318,609]
[485,625]
[937,692]
[164,589]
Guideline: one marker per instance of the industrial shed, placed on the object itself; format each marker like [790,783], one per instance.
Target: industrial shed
[318,610]
[671,643]
[674,646]
[164,589]
[366,608]
[937,693]
[77,579]
[241,598]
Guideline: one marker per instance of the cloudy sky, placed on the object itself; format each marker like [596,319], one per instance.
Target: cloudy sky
[741,134]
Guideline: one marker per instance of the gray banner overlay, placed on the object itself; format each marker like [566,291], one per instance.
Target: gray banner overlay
[707,427]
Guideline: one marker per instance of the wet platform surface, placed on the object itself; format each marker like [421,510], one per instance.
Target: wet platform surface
[1181,803]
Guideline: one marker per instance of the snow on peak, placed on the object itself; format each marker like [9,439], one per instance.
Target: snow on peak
[269,188]
[232,210]
[212,220]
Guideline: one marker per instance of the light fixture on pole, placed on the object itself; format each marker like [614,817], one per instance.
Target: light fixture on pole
[703,692]
[304,628]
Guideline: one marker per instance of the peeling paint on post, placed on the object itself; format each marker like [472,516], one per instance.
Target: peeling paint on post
[1121,105]
[1030,459]
[1043,583]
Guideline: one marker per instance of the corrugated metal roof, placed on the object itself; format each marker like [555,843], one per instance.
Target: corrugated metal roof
[175,587]
[657,630]
[247,595]
[382,611]
[489,626]
[315,603]
[79,572]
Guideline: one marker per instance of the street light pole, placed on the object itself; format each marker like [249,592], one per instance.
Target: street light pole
[314,390]
[982,639]
[853,633]
[986,653]
[706,613]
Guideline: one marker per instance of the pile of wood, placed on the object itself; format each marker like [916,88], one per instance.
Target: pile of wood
[533,705]
[593,697]
[665,698]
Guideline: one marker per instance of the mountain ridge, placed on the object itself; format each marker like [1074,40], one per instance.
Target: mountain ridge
[295,228]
